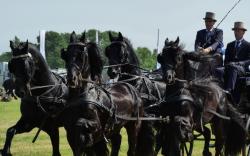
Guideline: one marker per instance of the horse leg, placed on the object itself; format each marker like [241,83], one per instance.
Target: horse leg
[207,137]
[132,132]
[20,127]
[159,139]
[219,137]
[116,143]
[71,137]
[53,132]
[146,134]
[101,149]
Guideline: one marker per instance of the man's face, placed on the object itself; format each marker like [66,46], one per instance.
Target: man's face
[209,23]
[239,33]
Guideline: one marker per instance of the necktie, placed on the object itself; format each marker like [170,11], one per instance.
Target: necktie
[237,46]
[208,36]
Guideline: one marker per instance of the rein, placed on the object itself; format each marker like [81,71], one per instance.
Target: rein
[45,86]
[125,64]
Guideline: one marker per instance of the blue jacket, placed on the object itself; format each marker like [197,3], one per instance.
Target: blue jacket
[243,54]
[215,40]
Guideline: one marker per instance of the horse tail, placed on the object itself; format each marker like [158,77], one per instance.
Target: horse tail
[146,139]
[236,133]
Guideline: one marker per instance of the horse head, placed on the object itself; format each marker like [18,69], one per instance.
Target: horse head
[22,66]
[179,129]
[170,59]
[82,60]
[120,54]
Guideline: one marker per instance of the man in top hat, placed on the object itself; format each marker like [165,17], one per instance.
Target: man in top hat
[209,40]
[237,57]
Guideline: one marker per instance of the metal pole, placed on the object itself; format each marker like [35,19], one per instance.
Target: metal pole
[42,43]
[157,47]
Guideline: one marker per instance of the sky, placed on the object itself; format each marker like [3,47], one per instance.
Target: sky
[138,20]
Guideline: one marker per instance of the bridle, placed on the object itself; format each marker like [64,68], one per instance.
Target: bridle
[124,58]
[83,67]
[24,56]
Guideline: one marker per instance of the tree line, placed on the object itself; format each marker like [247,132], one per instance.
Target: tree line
[55,41]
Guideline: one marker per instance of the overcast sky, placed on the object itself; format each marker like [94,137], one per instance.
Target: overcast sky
[136,19]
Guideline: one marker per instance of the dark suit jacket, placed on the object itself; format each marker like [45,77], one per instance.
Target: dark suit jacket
[215,41]
[243,54]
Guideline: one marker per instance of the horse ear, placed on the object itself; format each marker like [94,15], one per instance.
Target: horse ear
[159,58]
[166,42]
[83,37]
[73,37]
[176,42]
[12,46]
[111,38]
[120,37]
[63,54]
[26,46]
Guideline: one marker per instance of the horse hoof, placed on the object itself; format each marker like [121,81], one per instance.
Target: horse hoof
[204,153]
[4,154]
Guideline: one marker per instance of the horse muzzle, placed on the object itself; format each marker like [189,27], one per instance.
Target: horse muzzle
[112,73]
[23,91]
[184,128]
[169,76]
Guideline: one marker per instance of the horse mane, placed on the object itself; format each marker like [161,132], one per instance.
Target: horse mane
[134,57]
[206,86]
[95,60]
[32,49]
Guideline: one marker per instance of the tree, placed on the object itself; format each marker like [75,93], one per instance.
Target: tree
[54,42]
[146,57]
[5,57]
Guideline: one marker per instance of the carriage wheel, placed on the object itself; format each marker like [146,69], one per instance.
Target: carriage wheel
[187,148]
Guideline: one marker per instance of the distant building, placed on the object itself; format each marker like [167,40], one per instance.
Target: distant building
[4,72]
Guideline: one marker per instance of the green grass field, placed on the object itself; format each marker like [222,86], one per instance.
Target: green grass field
[22,144]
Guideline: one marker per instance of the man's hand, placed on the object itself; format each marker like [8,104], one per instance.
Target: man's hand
[206,50]
[236,63]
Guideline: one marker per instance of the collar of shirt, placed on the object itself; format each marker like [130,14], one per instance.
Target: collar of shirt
[209,30]
[239,43]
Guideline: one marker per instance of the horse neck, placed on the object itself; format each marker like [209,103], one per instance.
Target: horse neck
[131,68]
[43,75]
[85,85]
[180,71]
[175,87]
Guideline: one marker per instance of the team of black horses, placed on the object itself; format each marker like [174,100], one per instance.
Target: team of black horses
[157,114]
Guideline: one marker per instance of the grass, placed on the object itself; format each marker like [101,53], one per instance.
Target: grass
[22,144]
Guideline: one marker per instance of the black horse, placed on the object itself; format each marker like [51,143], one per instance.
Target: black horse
[36,86]
[9,87]
[107,109]
[124,64]
[209,100]
[178,106]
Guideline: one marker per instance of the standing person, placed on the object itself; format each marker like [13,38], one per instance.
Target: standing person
[237,58]
[210,39]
